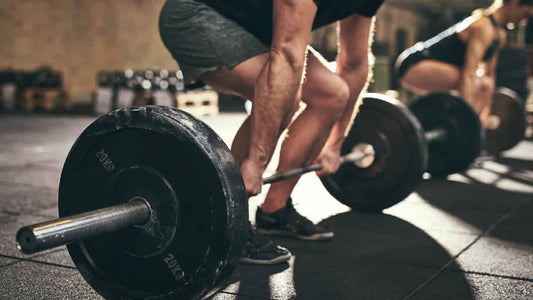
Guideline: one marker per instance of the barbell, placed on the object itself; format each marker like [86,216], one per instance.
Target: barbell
[505,126]
[152,203]
[440,134]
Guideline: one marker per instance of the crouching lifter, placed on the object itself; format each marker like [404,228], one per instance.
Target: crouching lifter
[464,57]
[259,50]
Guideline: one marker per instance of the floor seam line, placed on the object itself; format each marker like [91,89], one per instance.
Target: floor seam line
[496,275]
[453,258]
[28,214]
[246,295]
[28,186]
[32,259]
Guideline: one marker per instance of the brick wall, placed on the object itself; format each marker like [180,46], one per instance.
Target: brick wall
[80,37]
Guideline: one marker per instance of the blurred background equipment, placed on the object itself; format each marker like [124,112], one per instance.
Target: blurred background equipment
[8,89]
[111,44]
[122,89]
[41,88]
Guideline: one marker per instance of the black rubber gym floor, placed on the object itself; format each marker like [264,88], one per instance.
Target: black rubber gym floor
[467,237]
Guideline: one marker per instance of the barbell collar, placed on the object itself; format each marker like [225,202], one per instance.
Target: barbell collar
[75,228]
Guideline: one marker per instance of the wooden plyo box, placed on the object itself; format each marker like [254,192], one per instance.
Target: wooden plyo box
[44,98]
[198,102]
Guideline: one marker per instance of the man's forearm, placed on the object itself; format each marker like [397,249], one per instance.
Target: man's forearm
[275,93]
[467,87]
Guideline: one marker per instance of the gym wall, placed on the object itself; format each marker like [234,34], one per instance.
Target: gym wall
[81,37]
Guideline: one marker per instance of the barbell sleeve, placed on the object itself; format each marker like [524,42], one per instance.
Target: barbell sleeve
[75,228]
[350,157]
[437,134]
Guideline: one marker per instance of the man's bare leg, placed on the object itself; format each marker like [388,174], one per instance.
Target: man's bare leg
[433,76]
[325,94]
[430,76]
[240,81]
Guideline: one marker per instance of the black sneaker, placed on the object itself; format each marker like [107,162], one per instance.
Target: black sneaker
[262,251]
[288,222]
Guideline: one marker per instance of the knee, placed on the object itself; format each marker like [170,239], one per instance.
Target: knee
[332,97]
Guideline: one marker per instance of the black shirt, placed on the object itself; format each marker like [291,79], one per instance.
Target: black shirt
[256,15]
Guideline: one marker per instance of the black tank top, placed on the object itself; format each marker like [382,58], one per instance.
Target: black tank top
[448,47]
[256,15]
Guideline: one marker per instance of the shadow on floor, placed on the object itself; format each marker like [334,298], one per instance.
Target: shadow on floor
[371,257]
[517,165]
[496,188]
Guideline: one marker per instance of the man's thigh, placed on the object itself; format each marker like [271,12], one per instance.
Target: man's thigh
[320,81]
[239,80]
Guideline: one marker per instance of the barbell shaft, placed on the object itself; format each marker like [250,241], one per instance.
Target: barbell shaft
[437,134]
[351,157]
[291,173]
[75,228]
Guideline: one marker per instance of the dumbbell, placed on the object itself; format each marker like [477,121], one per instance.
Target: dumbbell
[8,89]
[160,81]
[127,84]
[161,93]
[175,81]
[46,77]
[40,76]
[103,96]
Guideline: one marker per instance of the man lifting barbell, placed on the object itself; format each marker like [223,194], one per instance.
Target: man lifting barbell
[258,50]
[464,56]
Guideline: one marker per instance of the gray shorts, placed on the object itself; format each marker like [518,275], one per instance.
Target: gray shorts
[202,40]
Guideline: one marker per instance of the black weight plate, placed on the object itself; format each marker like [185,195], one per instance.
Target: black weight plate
[464,134]
[507,107]
[187,174]
[512,59]
[400,159]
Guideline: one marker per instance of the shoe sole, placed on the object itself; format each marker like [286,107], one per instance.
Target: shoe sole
[315,237]
[274,261]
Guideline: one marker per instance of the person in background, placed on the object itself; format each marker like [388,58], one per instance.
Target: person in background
[463,58]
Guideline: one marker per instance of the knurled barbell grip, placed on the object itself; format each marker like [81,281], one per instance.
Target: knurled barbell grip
[75,228]
[351,157]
